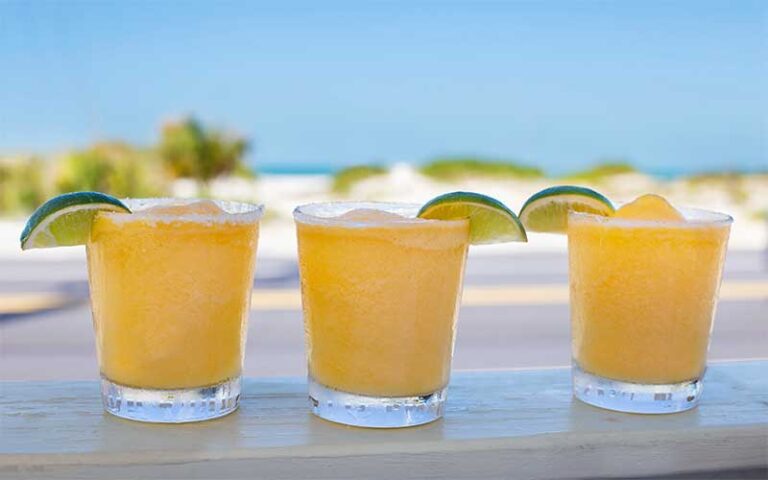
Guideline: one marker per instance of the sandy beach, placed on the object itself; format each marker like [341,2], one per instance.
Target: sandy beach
[745,198]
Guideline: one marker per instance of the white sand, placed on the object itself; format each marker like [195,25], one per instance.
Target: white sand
[282,193]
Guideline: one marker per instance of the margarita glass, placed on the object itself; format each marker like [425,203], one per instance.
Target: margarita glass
[381,291]
[170,291]
[643,299]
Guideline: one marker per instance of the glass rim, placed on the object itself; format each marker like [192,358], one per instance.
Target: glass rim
[234,211]
[694,218]
[327,213]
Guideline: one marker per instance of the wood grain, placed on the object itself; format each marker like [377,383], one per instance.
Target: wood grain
[508,424]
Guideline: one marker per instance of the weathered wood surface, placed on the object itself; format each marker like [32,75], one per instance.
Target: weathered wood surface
[509,424]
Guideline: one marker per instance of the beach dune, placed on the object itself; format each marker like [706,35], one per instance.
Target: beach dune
[743,197]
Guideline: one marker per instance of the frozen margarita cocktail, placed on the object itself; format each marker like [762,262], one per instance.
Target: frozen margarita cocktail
[644,282]
[170,288]
[381,287]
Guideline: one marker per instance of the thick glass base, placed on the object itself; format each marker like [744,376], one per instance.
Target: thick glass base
[634,397]
[374,412]
[171,406]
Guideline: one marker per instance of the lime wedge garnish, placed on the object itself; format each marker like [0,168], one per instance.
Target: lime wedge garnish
[490,221]
[547,210]
[66,220]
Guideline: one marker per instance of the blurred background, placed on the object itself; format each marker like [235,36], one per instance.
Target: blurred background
[285,103]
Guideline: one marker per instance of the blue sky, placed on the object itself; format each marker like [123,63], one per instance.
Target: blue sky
[560,84]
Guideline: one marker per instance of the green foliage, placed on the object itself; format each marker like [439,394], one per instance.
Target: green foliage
[113,168]
[84,170]
[710,177]
[602,170]
[346,178]
[453,168]
[22,185]
[190,150]
[244,171]
[732,182]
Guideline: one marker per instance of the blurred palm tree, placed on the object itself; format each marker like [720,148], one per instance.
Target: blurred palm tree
[188,149]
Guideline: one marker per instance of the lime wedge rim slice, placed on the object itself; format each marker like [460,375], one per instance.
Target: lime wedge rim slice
[71,214]
[490,221]
[547,210]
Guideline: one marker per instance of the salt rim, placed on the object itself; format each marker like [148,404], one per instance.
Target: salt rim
[328,213]
[234,212]
[693,218]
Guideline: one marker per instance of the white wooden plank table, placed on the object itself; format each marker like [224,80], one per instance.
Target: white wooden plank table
[508,424]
